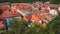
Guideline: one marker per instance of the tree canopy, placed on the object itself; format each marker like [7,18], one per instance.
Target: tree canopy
[19,1]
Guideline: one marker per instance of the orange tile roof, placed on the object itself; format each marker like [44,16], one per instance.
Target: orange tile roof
[1,25]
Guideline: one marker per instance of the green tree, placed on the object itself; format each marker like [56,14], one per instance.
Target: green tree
[55,1]
[21,27]
[1,12]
